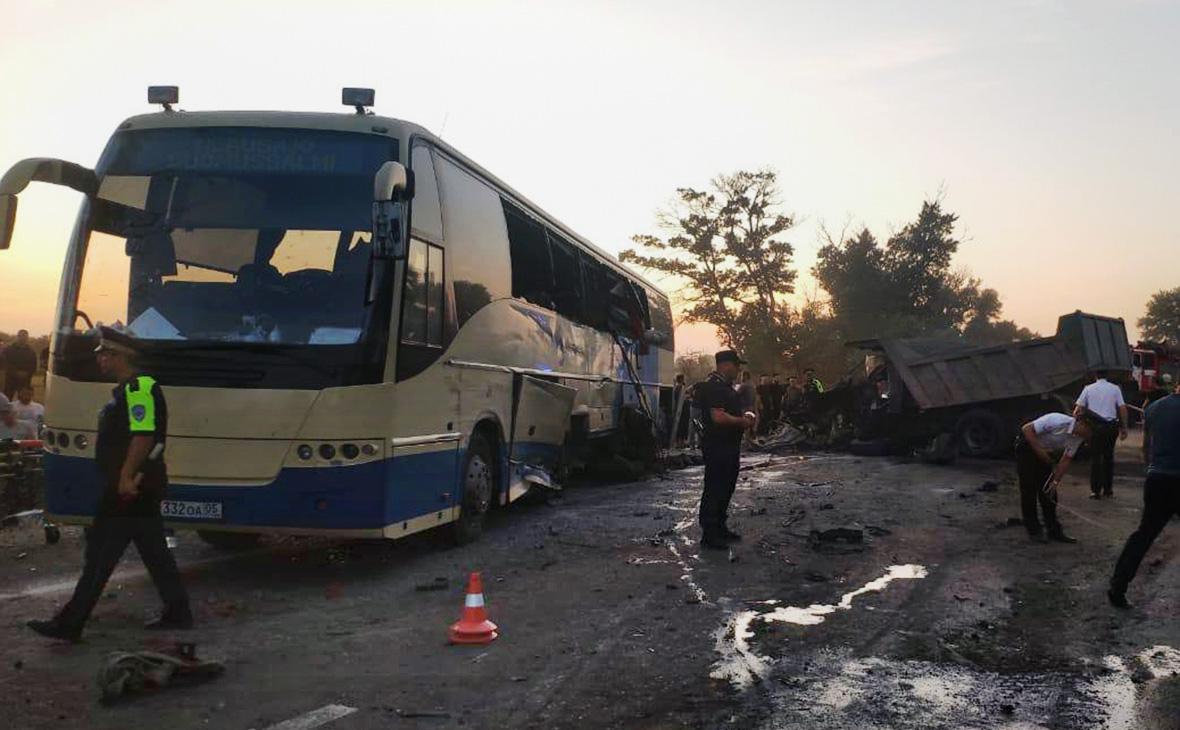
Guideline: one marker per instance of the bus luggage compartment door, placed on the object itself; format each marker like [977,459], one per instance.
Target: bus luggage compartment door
[540,420]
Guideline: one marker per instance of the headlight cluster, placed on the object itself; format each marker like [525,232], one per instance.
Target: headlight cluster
[62,440]
[330,452]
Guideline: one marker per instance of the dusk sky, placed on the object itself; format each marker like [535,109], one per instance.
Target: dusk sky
[1052,128]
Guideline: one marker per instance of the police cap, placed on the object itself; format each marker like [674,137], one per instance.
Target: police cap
[728,356]
[112,340]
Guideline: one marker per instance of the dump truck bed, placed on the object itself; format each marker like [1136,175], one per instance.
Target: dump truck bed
[945,373]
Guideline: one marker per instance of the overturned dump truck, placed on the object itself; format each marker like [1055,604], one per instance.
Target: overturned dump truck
[948,397]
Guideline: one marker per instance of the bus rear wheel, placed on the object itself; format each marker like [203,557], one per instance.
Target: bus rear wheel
[479,484]
[229,540]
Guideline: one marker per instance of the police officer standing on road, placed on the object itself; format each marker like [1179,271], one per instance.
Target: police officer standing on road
[721,445]
[129,455]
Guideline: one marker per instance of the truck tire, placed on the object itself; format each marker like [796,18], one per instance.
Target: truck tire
[981,434]
[229,540]
[479,486]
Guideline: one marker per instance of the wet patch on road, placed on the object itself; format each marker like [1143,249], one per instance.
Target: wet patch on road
[742,667]
[832,690]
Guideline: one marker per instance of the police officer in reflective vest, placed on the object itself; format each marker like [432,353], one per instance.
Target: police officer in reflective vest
[129,456]
[721,445]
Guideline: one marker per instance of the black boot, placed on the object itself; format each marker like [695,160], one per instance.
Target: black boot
[1058,535]
[53,630]
[1118,599]
[714,542]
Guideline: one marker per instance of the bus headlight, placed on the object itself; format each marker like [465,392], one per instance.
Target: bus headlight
[304,452]
[350,451]
[63,439]
[81,442]
[327,452]
[369,450]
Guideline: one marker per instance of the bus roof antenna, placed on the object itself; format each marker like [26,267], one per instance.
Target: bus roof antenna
[359,98]
[166,96]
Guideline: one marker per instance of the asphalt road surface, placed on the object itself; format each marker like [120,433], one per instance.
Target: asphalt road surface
[943,616]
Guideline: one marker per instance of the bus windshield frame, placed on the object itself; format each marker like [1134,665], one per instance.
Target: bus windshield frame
[239,256]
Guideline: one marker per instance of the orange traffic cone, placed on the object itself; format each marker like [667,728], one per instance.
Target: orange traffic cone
[473,627]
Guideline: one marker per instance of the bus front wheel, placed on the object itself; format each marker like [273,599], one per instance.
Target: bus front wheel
[229,540]
[478,487]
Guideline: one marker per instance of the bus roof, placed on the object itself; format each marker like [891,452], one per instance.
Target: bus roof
[365,124]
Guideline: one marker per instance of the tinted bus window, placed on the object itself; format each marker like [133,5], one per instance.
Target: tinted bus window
[567,279]
[422,313]
[532,273]
[476,237]
[426,215]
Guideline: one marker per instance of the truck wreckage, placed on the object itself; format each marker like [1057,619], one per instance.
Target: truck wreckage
[943,397]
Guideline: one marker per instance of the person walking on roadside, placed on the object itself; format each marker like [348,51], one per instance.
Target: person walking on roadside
[725,418]
[20,362]
[129,456]
[12,427]
[1161,491]
[27,409]
[1103,402]
[1044,450]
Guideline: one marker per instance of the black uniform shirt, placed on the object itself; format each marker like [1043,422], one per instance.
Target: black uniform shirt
[136,408]
[717,392]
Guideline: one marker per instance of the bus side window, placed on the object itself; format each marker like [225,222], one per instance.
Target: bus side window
[426,213]
[594,304]
[422,310]
[567,279]
[532,270]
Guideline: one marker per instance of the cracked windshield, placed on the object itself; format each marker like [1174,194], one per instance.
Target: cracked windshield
[259,236]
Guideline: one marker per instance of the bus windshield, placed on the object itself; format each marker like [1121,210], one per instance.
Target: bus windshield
[230,235]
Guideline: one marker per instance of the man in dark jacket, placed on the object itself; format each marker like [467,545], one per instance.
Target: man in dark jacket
[724,417]
[129,455]
[20,362]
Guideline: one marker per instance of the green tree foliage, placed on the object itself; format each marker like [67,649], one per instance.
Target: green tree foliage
[1161,322]
[907,287]
[726,245]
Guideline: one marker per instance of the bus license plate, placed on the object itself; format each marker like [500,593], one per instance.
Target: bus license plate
[191,510]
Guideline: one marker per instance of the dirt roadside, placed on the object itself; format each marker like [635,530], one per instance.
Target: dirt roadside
[611,617]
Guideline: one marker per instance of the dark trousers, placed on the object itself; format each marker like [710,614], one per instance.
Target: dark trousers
[721,472]
[1102,458]
[105,544]
[1161,500]
[1033,474]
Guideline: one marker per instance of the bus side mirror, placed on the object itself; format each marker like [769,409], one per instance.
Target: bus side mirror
[7,219]
[38,169]
[392,184]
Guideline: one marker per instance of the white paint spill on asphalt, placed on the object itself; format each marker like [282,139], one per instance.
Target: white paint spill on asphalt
[1117,690]
[741,667]
[315,718]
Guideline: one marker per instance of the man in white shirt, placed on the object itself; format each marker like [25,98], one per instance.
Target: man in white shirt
[1102,401]
[10,428]
[1044,451]
[26,409]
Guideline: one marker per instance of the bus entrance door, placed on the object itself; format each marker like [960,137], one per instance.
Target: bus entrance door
[540,420]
